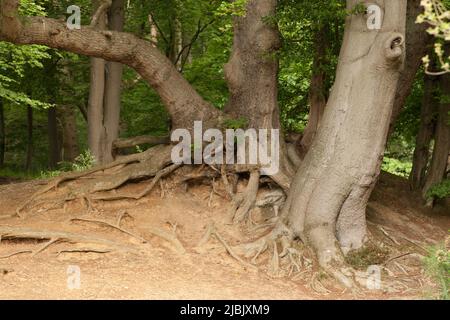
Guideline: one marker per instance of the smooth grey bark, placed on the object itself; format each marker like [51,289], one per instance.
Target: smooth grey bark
[326,206]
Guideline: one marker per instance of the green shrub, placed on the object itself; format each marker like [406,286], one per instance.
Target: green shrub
[438,267]
[83,162]
[440,191]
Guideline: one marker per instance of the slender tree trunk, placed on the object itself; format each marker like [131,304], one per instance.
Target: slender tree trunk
[2,134]
[438,166]
[425,135]
[29,158]
[96,132]
[69,134]
[53,143]
[317,91]
[113,87]
[326,206]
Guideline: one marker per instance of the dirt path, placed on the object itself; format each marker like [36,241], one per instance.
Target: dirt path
[157,271]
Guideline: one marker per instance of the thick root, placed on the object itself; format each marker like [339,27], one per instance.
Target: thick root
[243,204]
[151,163]
[56,236]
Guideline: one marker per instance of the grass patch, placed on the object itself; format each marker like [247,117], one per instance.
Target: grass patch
[437,265]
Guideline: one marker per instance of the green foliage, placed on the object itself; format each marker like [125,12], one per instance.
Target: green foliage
[439,191]
[438,266]
[359,8]
[235,124]
[15,173]
[397,167]
[235,8]
[83,162]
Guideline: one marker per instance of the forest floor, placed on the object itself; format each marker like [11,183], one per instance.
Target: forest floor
[155,270]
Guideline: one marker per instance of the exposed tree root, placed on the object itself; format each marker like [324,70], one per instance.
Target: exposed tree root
[169,237]
[212,231]
[162,173]
[55,236]
[151,163]
[244,203]
[114,226]
[15,254]
[83,250]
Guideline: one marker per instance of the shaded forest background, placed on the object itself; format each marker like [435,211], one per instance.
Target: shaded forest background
[45,92]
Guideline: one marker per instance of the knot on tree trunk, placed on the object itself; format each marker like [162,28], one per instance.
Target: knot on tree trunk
[395,47]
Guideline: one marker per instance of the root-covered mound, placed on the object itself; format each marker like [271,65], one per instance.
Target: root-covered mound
[186,221]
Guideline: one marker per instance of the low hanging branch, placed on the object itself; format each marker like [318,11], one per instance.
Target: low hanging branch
[182,101]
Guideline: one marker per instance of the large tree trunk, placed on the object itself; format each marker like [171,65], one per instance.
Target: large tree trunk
[317,90]
[251,74]
[2,134]
[417,43]
[53,143]
[425,135]
[326,206]
[438,166]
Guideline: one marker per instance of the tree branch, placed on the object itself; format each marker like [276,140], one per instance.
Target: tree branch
[183,103]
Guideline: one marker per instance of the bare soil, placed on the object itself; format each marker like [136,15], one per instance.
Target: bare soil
[156,270]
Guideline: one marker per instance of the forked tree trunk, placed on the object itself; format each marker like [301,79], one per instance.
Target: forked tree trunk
[96,134]
[317,90]
[438,166]
[326,206]
[425,135]
[113,87]
[105,92]
[252,74]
